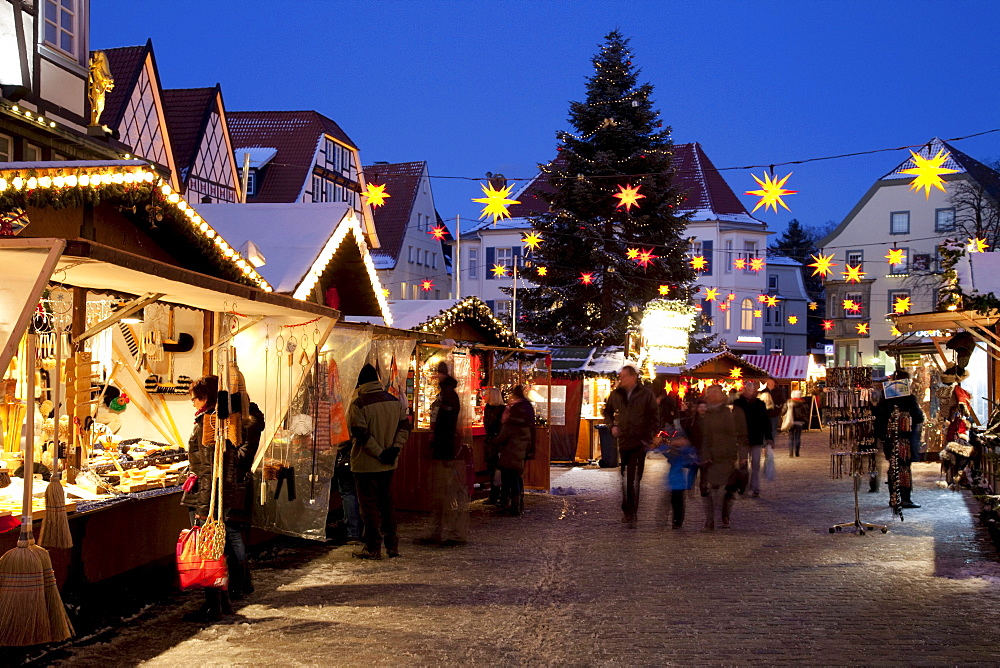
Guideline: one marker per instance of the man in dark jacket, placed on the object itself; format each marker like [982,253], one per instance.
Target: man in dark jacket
[450,500]
[907,404]
[759,432]
[633,416]
[379,429]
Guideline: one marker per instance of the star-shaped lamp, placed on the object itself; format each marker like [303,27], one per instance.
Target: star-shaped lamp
[543,271]
[499,270]
[736,372]
[901,305]
[427,285]
[628,197]
[771,301]
[827,325]
[756,264]
[587,278]
[761,299]
[927,172]
[438,232]
[771,191]
[758,313]
[496,201]
[711,294]
[740,263]
[632,253]
[895,331]
[385,292]
[813,306]
[853,274]
[375,195]
[862,327]
[645,257]
[731,296]
[850,305]
[977,245]
[664,290]
[699,263]
[793,319]
[531,240]
[896,256]
[823,265]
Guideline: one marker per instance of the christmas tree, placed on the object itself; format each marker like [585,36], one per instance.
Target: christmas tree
[590,288]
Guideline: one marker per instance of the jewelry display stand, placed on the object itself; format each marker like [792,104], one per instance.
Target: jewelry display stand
[852,435]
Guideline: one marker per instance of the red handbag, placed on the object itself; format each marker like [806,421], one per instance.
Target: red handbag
[195,571]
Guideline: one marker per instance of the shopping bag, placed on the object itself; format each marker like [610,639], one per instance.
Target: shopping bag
[769,472]
[195,571]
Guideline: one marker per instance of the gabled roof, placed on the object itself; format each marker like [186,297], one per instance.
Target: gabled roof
[715,365]
[126,64]
[187,111]
[295,135]
[442,315]
[402,183]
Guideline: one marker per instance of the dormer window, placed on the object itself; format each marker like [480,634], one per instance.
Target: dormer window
[61,25]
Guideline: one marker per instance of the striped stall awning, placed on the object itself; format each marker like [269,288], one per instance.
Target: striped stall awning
[782,367]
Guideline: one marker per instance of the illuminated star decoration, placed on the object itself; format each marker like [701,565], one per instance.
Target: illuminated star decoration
[851,305]
[496,201]
[543,271]
[632,253]
[902,305]
[823,265]
[977,245]
[699,263]
[736,372]
[586,278]
[862,327]
[853,274]
[758,313]
[723,306]
[499,270]
[761,298]
[438,232]
[756,263]
[426,285]
[531,240]
[740,263]
[771,301]
[375,194]
[731,296]
[928,172]
[813,306]
[385,292]
[664,290]
[711,294]
[771,192]
[628,197]
[645,257]
[827,325]
[895,332]
[896,256]
[793,319]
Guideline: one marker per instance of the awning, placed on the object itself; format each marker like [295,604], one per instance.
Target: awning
[783,367]
[716,366]
[975,323]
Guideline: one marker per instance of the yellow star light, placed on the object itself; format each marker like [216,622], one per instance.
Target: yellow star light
[736,372]
[632,253]
[977,245]
[375,195]
[711,294]
[731,296]
[724,306]
[499,270]
[813,306]
[827,325]
[771,300]
[756,264]
[628,197]
[850,305]
[531,240]
[902,305]
[496,201]
[740,263]
[426,285]
[543,271]
[771,192]
[853,274]
[645,257]
[862,327]
[438,232]
[385,292]
[896,256]
[761,298]
[894,331]
[699,263]
[928,172]
[758,313]
[664,290]
[793,319]
[823,265]
[586,278]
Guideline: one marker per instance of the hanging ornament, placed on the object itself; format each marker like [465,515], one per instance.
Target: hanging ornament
[827,325]
[901,305]
[977,245]
[543,271]
[771,192]
[736,372]
[426,285]
[531,240]
[587,278]
[699,263]
[645,257]
[758,313]
[632,253]
[793,319]
[851,305]
[628,197]
[375,195]
[711,294]
[756,263]
[731,296]
[896,256]
[438,232]
[499,270]
[862,327]
[385,292]
[761,299]
[496,201]
[823,265]
[894,331]
[723,306]
[853,274]
[771,301]
[928,172]
[740,263]
[813,306]
[664,290]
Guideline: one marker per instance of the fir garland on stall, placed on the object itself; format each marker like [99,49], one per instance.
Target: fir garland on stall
[474,311]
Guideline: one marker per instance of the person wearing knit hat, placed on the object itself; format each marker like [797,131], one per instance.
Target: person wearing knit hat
[368,375]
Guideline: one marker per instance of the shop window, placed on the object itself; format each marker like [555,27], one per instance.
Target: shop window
[899,222]
[746,315]
[944,220]
[61,25]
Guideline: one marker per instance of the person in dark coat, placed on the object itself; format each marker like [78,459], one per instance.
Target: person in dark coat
[723,443]
[883,413]
[516,444]
[799,410]
[633,416]
[759,431]
[450,499]
[492,421]
[774,399]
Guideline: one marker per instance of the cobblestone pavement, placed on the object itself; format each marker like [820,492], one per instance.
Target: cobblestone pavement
[570,584]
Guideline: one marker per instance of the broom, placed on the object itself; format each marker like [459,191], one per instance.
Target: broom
[55,524]
[31,610]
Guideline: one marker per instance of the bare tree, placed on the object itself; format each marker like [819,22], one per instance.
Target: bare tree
[977,210]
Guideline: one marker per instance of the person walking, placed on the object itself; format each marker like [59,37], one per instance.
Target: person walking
[449,525]
[692,426]
[774,400]
[683,458]
[759,431]
[493,413]
[516,444]
[794,415]
[343,480]
[724,433]
[907,404]
[379,430]
[632,414]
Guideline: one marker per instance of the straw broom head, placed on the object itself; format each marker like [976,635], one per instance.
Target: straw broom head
[24,616]
[60,627]
[55,524]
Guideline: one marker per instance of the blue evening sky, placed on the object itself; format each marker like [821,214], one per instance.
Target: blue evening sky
[472,87]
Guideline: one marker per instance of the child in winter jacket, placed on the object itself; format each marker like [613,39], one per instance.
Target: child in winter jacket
[682,457]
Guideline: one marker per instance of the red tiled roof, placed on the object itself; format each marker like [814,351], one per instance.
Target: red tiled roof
[530,200]
[126,65]
[295,134]
[402,181]
[186,110]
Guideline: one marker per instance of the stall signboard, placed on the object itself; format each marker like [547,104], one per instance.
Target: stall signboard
[666,327]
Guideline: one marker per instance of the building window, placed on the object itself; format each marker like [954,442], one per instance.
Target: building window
[855,258]
[409,256]
[251,182]
[728,319]
[505,257]
[749,253]
[779,344]
[434,265]
[61,24]
[402,290]
[473,263]
[944,220]
[6,149]
[772,281]
[728,259]
[899,222]
[767,344]
[903,267]
[894,295]
[779,313]
[420,222]
[746,315]
[857,298]
[501,309]
[419,258]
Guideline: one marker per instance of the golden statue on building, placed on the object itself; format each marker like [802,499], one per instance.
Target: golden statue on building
[99,84]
